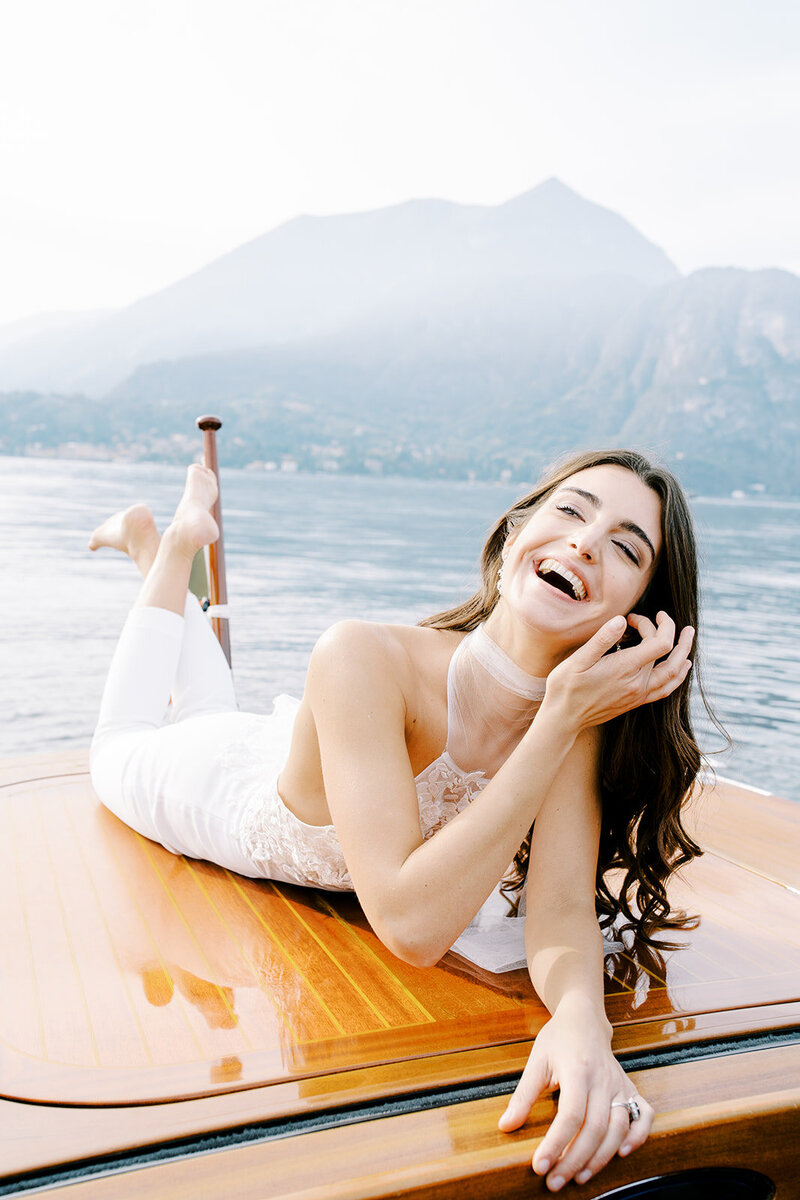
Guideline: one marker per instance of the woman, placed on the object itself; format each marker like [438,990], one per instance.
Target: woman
[505,711]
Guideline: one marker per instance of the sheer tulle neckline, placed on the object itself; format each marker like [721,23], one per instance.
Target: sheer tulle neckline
[491,702]
[502,667]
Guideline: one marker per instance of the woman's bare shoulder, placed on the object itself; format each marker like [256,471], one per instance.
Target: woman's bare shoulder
[406,651]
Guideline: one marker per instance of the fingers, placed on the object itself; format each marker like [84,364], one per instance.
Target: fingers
[670,674]
[622,1136]
[532,1083]
[572,1112]
[592,1122]
[616,1132]
[590,1134]
[659,679]
[579,1147]
[599,644]
[657,640]
[643,625]
[638,1131]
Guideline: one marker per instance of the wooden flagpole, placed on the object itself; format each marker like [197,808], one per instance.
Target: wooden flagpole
[217,586]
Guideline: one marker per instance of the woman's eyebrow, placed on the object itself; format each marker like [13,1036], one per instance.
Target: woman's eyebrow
[630,526]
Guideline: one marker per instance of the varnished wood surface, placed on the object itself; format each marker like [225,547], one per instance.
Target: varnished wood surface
[27,768]
[133,975]
[76,1132]
[735,1111]
[750,829]
[129,975]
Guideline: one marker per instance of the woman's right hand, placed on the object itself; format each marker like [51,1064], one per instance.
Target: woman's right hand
[592,686]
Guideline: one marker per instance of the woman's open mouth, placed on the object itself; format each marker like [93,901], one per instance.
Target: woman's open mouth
[562,579]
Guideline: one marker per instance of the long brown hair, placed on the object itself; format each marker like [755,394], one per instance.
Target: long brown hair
[649,759]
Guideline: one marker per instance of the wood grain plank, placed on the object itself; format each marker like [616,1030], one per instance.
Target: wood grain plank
[454,988]
[759,832]
[189,1008]
[742,1110]
[27,767]
[742,902]
[61,992]
[180,977]
[127,896]
[21,1019]
[38,1136]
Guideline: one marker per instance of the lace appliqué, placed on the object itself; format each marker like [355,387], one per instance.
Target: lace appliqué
[443,790]
[278,843]
[285,848]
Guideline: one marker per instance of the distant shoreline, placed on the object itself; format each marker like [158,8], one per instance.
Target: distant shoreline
[101,454]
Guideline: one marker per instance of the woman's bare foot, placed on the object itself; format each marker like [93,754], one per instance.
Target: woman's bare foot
[165,562]
[132,531]
[193,526]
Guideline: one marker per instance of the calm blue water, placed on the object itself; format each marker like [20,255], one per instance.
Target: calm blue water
[304,551]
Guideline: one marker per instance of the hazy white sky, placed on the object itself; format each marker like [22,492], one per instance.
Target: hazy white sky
[139,139]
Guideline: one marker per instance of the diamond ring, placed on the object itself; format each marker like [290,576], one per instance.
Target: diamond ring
[634,1112]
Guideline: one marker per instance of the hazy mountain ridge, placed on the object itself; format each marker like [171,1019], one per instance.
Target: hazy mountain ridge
[434,338]
[319,276]
[709,368]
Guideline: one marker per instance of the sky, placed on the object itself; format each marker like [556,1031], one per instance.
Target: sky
[141,139]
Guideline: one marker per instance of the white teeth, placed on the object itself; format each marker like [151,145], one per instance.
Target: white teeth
[555,567]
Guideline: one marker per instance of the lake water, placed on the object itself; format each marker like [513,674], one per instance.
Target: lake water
[304,551]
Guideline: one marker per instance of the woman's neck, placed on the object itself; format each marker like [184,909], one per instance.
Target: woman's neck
[533,651]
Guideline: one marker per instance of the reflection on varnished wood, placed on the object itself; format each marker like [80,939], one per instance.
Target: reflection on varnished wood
[36,1135]
[129,974]
[126,957]
[735,1111]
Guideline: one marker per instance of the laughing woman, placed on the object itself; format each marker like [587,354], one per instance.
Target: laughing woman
[506,727]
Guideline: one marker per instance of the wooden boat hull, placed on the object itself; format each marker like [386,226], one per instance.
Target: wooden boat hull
[154,1009]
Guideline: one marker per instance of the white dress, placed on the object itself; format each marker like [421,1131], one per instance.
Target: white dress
[490,704]
[205,784]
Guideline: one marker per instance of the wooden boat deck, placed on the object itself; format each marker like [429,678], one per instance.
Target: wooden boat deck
[148,998]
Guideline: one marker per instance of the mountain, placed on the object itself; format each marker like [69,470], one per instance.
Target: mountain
[708,369]
[437,339]
[317,277]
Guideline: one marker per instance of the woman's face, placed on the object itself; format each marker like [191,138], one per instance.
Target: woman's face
[585,555]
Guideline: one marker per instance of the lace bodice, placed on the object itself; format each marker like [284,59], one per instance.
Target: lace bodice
[490,704]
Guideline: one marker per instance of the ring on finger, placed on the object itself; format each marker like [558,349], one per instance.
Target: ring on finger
[632,1106]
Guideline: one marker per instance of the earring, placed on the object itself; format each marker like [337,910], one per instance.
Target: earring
[500,579]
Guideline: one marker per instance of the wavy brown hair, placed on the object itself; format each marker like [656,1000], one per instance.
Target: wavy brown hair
[649,759]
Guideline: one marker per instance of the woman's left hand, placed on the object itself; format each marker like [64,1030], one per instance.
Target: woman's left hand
[575,1056]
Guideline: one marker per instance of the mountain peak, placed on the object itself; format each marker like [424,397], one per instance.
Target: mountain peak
[555,186]
[552,190]
[336,277]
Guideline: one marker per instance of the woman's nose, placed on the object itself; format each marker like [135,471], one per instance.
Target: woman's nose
[584,545]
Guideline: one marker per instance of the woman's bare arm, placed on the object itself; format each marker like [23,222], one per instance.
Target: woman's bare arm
[562,935]
[419,896]
[565,955]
